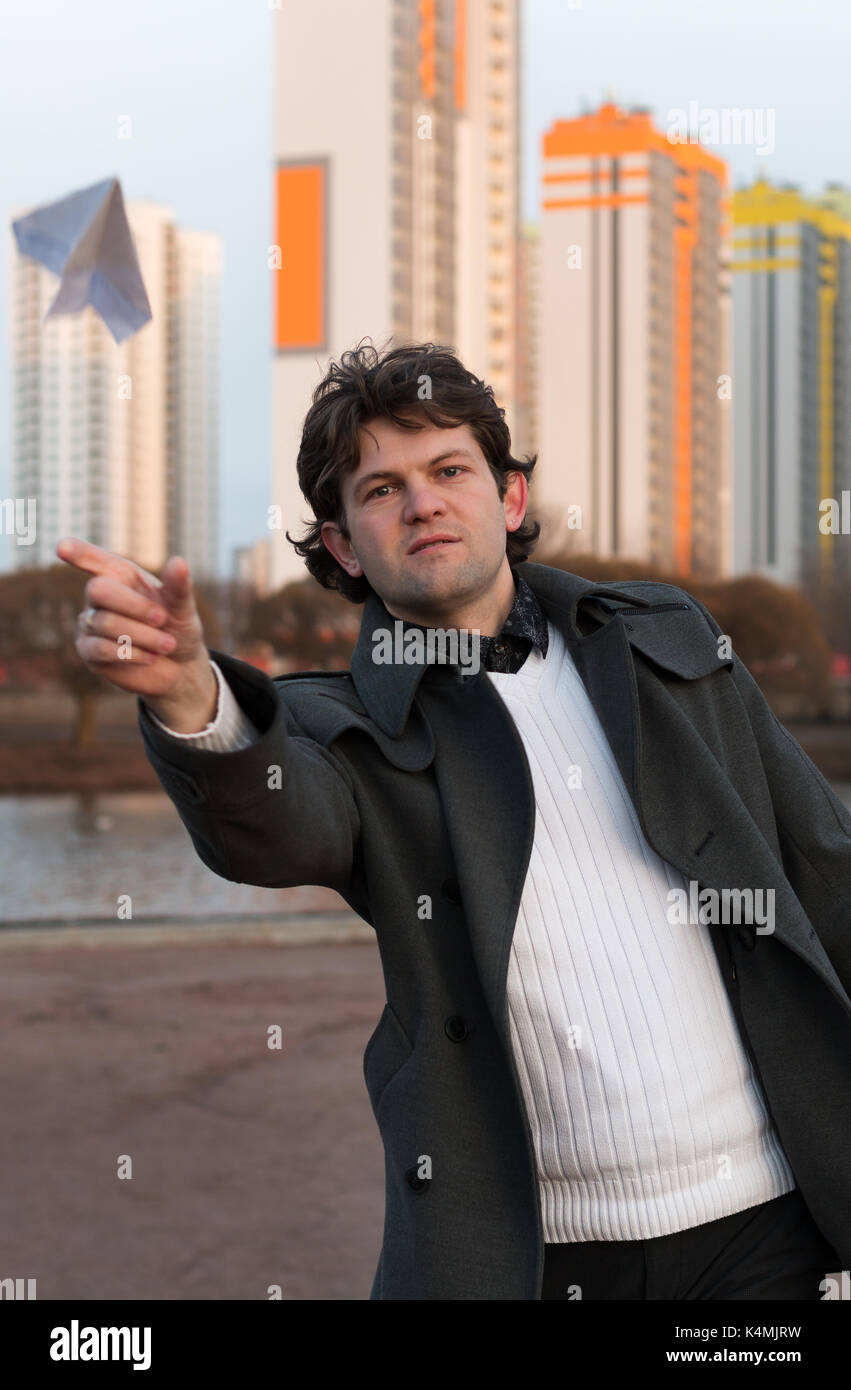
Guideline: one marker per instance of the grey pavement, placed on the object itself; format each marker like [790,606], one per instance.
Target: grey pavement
[251,1166]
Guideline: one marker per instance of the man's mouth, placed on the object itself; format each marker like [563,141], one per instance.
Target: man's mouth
[432,545]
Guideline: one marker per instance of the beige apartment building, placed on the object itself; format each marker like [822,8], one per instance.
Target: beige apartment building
[396,187]
[119,443]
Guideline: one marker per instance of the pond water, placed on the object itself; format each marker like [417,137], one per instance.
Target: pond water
[66,857]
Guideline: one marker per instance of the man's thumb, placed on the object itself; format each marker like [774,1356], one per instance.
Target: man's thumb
[176,593]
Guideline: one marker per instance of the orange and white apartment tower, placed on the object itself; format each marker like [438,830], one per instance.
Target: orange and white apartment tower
[395,202]
[635,418]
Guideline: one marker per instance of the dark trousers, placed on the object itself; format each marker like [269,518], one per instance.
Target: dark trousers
[774,1250]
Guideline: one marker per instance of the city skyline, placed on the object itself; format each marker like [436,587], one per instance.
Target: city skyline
[672,78]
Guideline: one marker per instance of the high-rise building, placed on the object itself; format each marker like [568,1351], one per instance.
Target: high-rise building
[118,443]
[193,453]
[633,345]
[250,566]
[834,551]
[792,377]
[395,200]
[528,363]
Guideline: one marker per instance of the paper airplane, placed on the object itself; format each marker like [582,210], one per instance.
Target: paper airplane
[85,238]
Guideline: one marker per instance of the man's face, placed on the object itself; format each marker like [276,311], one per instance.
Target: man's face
[413,485]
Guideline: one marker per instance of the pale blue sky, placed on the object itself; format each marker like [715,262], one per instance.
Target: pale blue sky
[196,78]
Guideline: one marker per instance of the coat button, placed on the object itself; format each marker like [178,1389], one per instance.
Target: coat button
[455,1028]
[415,1182]
[450,889]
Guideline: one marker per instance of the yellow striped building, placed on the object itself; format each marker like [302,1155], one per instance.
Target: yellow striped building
[791,265]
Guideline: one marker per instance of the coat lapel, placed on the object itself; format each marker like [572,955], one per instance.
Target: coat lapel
[486,792]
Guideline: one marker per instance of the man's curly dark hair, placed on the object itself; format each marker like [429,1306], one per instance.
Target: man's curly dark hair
[366,385]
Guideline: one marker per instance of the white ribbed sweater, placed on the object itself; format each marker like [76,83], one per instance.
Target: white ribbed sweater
[645,1112]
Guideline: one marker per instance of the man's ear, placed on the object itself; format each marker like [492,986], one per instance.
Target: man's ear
[516,499]
[341,548]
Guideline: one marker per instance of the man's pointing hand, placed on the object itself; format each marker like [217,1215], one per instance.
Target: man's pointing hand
[144,634]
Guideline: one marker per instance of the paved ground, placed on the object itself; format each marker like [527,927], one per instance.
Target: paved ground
[250,1167]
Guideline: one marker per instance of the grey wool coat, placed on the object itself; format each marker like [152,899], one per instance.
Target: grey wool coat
[399,781]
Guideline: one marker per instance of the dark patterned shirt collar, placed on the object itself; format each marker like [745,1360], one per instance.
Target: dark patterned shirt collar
[525,627]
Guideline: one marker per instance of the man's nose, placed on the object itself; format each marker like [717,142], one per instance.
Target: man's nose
[422,501]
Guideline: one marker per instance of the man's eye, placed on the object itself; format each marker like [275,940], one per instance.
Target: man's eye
[454,467]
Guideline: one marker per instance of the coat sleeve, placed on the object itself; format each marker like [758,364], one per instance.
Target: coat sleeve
[814,827]
[279,813]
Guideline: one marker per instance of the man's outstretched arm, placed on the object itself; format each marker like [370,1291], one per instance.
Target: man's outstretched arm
[279,812]
[229,729]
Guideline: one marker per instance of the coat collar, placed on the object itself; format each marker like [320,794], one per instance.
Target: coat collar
[387,691]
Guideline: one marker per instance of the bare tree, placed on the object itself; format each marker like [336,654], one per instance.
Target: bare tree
[310,627]
[774,629]
[38,622]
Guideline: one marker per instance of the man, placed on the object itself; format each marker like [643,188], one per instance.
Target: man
[583,1090]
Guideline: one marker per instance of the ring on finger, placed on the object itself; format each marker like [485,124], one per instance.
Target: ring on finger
[88,618]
